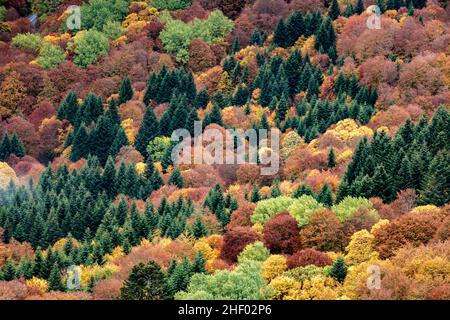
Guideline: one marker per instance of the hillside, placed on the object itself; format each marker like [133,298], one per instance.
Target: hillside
[316,149]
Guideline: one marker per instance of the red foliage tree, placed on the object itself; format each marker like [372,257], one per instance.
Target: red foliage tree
[308,257]
[201,56]
[241,217]
[413,228]
[360,219]
[235,240]
[323,232]
[281,234]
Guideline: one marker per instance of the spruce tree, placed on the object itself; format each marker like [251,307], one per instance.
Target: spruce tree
[80,146]
[280,37]
[126,91]
[148,131]
[359,8]
[101,138]
[331,158]
[16,146]
[295,27]
[216,115]
[113,113]
[5,147]
[54,280]
[176,178]
[334,11]
[199,228]
[109,178]
[436,187]
[339,270]
[119,141]
[326,195]
[145,282]
[198,265]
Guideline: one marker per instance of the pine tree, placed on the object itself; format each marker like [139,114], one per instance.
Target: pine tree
[69,108]
[176,178]
[282,108]
[8,271]
[216,115]
[16,146]
[381,185]
[145,282]
[148,131]
[126,91]
[101,138]
[334,11]
[295,27]
[109,178]
[331,158]
[339,270]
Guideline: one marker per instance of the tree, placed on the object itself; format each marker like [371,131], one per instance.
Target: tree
[148,131]
[334,11]
[323,232]
[50,56]
[80,147]
[331,158]
[119,141]
[12,92]
[280,35]
[145,282]
[326,195]
[359,8]
[339,270]
[436,189]
[88,46]
[295,27]
[126,91]
[235,240]
[307,257]
[199,228]
[281,234]
[55,281]
[176,179]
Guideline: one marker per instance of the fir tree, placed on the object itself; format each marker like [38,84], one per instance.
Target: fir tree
[113,113]
[54,280]
[326,195]
[198,265]
[80,147]
[334,11]
[126,91]
[5,147]
[199,228]
[119,141]
[280,35]
[148,131]
[176,178]
[331,158]
[145,282]
[339,270]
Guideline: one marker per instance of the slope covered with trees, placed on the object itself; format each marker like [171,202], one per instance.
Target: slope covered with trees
[87,177]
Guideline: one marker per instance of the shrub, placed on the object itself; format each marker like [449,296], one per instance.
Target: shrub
[29,41]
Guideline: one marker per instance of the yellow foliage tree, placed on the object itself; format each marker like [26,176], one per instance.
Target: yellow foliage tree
[7,175]
[361,248]
[317,288]
[273,267]
[12,91]
[282,287]
[36,286]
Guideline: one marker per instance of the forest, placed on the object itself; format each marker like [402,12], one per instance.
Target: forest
[93,205]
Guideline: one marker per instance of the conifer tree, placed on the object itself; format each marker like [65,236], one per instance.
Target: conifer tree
[295,27]
[331,158]
[5,147]
[199,228]
[339,270]
[8,271]
[359,8]
[126,91]
[16,146]
[145,282]
[216,115]
[176,179]
[69,107]
[54,280]
[334,11]
[198,265]
[436,187]
[326,195]
[148,131]
[280,35]
[80,146]
[113,113]
[119,141]
[109,178]
[101,138]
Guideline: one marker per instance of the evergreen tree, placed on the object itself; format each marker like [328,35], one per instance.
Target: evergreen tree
[331,158]
[5,147]
[126,91]
[176,179]
[381,185]
[326,195]
[359,8]
[109,178]
[216,115]
[54,280]
[256,39]
[113,113]
[199,263]
[80,146]
[201,100]
[148,131]
[69,107]
[236,46]
[199,228]
[339,270]
[436,187]
[119,141]
[145,282]
[280,37]
[334,11]
[282,108]
[101,138]
[8,271]
[16,146]
[295,27]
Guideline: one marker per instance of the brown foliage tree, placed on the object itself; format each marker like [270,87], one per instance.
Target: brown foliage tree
[235,240]
[308,257]
[281,234]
